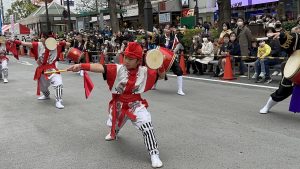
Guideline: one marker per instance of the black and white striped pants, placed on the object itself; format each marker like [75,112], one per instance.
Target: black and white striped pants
[149,138]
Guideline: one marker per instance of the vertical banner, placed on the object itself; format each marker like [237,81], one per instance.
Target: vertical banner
[1,23]
[12,21]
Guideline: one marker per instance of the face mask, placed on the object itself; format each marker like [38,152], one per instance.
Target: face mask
[232,22]
[204,39]
[267,19]
[232,39]
[272,25]
[224,28]
[240,23]
[194,41]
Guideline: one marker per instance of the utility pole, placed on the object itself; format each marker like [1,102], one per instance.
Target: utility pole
[196,11]
[70,27]
[148,16]
[47,17]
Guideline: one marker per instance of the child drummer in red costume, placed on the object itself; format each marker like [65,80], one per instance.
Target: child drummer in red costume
[127,82]
[46,60]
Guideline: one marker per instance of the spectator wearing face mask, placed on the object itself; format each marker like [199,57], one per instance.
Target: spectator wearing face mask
[233,24]
[244,37]
[236,51]
[207,52]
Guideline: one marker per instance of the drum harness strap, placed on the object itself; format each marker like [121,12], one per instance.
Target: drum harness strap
[294,48]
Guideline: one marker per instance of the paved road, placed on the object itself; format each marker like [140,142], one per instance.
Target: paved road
[215,126]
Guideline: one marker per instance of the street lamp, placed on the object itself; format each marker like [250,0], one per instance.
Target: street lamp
[148,16]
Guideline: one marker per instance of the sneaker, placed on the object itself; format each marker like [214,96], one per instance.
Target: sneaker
[254,76]
[280,74]
[269,80]
[59,105]
[262,75]
[181,93]
[43,97]
[5,80]
[275,73]
[221,73]
[109,138]
[155,161]
[262,80]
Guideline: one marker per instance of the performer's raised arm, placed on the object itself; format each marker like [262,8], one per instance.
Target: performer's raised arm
[95,67]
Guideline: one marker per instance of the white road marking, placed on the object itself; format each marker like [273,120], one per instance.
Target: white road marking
[227,82]
[24,63]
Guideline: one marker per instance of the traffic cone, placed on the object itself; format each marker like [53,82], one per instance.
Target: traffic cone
[120,59]
[182,63]
[102,58]
[228,74]
[87,58]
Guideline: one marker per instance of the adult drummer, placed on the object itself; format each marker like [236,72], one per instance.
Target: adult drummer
[46,53]
[290,43]
[126,83]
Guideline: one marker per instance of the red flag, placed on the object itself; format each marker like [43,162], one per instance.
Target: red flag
[175,42]
[88,84]
[13,50]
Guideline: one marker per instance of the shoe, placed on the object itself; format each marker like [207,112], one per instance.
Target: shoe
[269,80]
[254,76]
[275,73]
[268,106]
[262,75]
[109,138]
[264,110]
[181,93]
[43,97]
[59,105]
[81,73]
[5,80]
[221,73]
[262,80]
[155,161]
[280,74]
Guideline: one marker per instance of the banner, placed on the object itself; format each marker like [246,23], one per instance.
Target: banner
[12,21]
[187,12]
[1,22]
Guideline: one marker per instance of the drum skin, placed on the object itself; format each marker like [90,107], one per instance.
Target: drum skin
[292,68]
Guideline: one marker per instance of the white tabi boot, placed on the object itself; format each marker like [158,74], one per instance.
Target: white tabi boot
[268,106]
[5,75]
[179,83]
[155,161]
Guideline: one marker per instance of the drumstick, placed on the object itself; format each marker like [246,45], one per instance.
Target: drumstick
[55,71]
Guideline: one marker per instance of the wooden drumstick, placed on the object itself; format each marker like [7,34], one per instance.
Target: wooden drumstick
[55,71]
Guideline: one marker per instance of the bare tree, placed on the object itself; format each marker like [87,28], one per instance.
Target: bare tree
[141,4]
[224,12]
[112,6]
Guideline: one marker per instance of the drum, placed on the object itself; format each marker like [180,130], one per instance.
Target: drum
[292,68]
[51,43]
[158,57]
[74,54]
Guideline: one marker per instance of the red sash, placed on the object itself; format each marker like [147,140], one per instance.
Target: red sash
[125,99]
[41,69]
[3,57]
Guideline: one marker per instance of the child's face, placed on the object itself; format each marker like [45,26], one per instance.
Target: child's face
[254,44]
[226,39]
[131,63]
